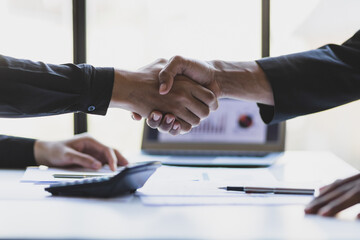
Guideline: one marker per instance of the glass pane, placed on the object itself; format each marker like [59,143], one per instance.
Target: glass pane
[129,34]
[39,30]
[309,24]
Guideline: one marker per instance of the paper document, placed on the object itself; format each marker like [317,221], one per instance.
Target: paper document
[199,186]
[45,175]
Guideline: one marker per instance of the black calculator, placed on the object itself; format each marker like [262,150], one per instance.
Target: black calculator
[127,181]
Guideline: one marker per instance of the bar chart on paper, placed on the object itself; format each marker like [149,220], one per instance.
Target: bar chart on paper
[216,125]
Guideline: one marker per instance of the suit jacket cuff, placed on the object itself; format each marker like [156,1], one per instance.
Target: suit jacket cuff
[97,99]
[273,69]
[16,152]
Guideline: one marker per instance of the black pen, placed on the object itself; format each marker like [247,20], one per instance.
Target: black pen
[298,191]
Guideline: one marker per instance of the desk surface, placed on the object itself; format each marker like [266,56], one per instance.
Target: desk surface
[27,211]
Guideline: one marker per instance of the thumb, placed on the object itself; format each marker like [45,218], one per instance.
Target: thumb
[166,80]
[83,160]
[174,67]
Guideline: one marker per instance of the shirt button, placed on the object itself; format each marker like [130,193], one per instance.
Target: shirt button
[91,108]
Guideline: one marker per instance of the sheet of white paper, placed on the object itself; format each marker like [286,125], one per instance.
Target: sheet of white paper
[45,175]
[199,186]
[248,199]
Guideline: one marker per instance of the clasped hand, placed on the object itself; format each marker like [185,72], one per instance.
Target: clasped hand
[186,104]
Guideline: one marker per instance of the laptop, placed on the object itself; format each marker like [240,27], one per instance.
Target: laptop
[234,135]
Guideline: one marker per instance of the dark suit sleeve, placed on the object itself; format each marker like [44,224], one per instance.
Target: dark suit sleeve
[312,81]
[30,88]
[16,152]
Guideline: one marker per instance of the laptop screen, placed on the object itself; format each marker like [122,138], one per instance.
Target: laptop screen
[236,126]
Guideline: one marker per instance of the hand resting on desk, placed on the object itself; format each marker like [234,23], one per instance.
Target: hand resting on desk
[336,197]
[81,150]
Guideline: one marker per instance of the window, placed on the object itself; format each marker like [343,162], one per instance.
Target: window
[37,30]
[130,34]
[305,25]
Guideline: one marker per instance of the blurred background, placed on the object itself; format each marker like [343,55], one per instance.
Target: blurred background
[131,33]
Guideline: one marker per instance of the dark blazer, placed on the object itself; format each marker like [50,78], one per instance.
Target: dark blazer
[30,89]
[312,81]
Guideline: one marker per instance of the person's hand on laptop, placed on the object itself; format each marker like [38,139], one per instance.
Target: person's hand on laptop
[237,80]
[82,150]
[138,92]
[336,197]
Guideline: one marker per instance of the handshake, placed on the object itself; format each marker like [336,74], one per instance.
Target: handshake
[176,95]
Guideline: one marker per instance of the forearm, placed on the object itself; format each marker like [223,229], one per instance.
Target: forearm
[313,81]
[16,152]
[36,89]
[243,80]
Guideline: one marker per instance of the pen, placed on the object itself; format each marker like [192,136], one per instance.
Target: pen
[61,175]
[299,191]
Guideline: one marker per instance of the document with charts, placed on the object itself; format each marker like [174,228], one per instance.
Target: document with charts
[233,122]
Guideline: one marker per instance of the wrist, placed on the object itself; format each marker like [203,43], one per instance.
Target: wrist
[129,91]
[243,81]
[121,90]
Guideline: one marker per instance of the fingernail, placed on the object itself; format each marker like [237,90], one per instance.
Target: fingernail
[162,87]
[155,116]
[323,212]
[169,120]
[132,116]
[176,126]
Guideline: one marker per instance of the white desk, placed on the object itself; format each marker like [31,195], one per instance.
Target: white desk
[26,211]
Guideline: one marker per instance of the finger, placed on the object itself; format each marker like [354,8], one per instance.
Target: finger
[154,120]
[121,159]
[189,117]
[322,200]
[136,116]
[176,129]
[185,127]
[103,153]
[167,123]
[174,67]
[84,160]
[326,187]
[347,200]
[199,109]
[110,158]
[207,97]
[339,183]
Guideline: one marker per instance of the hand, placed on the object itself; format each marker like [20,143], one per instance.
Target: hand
[236,80]
[336,197]
[138,92]
[200,71]
[82,150]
